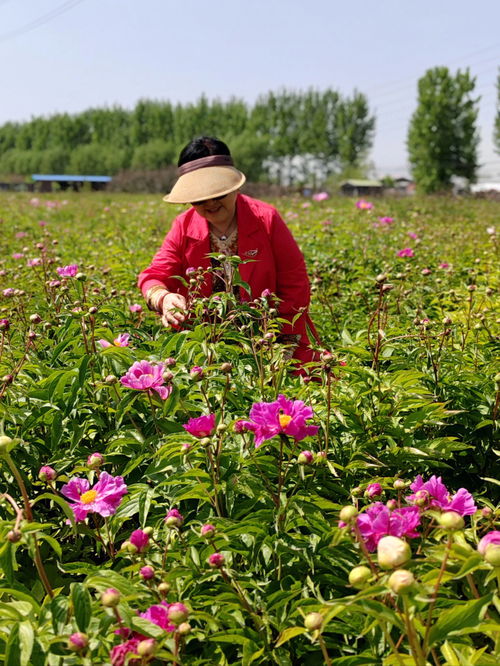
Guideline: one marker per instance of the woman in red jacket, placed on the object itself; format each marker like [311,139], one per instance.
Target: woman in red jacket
[222,220]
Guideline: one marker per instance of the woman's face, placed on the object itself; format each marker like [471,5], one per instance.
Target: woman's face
[220,211]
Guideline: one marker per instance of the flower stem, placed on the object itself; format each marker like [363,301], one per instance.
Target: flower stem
[326,656]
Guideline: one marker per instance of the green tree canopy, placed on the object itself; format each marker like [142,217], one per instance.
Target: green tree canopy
[442,137]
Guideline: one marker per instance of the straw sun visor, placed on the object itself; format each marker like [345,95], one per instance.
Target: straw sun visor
[204,179]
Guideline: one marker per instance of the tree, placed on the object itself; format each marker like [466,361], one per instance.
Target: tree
[442,137]
[496,131]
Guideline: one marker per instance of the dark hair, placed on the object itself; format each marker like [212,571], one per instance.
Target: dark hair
[202,146]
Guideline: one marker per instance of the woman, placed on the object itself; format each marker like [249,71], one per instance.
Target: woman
[223,220]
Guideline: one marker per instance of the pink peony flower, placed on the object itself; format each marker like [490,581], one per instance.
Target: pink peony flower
[135,307]
[139,539]
[406,252]
[119,653]
[104,498]
[207,530]
[68,271]
[364,205]
[121,340]
[196,372]
[78,641]
[143,376]
[158,614]
[320,196]
[378,521]
[438,496]
[174,518]
[444,265]
[17,255]
[34,262]
[490,539]
[283,416]
[386,220]
[413,235]
[4,324]
[216,560]
[373,490]
[202,426]
[8,292]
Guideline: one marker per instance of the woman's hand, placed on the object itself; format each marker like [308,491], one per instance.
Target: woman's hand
[174,309]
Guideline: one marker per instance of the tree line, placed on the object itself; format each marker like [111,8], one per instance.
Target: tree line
[328,131]
[287,137]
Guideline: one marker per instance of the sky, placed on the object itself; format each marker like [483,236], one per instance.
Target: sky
[70,55]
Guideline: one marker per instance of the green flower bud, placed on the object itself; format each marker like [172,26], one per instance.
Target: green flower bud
[348,513]
[392,552]
[401,581]
[313,621]
[359,576]
[451,520]
[492,555]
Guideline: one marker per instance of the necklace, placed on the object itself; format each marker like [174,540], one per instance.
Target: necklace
[227,233]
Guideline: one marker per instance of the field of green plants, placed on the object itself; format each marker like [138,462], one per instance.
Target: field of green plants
[185,498]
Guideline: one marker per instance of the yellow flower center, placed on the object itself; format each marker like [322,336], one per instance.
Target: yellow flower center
[284,420]
[88,497]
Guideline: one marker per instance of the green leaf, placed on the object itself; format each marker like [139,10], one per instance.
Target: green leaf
[13,647]
[288,634]
[82,605]
[68,512]
[147,628]
[26,640]
[59,609]
[461,616]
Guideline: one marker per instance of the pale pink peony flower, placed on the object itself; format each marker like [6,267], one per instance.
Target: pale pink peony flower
[68,271]
[406,252]
[34,262]
[121,340]
[8,292]
[282,416]
[320,196]
[17,255]
[378,521]
[412,235]
[438,496]
[143,376]
[202,426]
[490,539]
[364,205]
[135,307]
[104,498]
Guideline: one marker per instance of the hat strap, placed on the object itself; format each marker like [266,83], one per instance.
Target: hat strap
[210,160]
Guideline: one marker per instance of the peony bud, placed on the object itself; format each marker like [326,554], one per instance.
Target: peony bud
[216,560]
[147,573]
[226,368]
[35,318]
[373,490]
[6,445]
[184,628]
[14,536]
[391,504]
[146,648]
[492,555]
[110,598]
[348,513]
[208,530]
[174,518]
[111,379]
[401,581]
[164,589]
[399,484]
[196,373]
[305,458]
[77,642]
[392,552]
[177,613]
[451,520]
[47,473]
[313,621]
[95,460]
[359,576]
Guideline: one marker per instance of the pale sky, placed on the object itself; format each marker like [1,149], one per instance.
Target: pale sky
[67,56]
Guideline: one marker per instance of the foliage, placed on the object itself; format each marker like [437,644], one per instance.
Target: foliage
[248,539]
[442,137]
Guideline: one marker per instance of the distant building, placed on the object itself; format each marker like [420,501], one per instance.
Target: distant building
[485,187]
[66,181]
[357,188]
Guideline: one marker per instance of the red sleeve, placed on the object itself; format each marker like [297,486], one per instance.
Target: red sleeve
[166,263]
[292,282]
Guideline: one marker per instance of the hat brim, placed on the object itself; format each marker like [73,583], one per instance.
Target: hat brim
[207,183]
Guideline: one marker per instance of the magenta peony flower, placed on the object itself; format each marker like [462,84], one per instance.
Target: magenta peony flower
[78,641]
[147,572]
[135,307]
[174,518]
[444,265]
[119,653]
[216,560]
[139,539]
[406,252]
[158,615]
[196,372]
[68,271]
[378,521]
[373,490]
[143,376]
[438,496]
[364,205]
[202,426]
[121,340]
[283,416]
[104,498]
[4,324]
[386,220]
[490,539]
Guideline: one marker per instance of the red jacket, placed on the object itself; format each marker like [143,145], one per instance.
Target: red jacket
[277,263]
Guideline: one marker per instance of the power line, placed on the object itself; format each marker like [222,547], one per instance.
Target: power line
[41,20]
